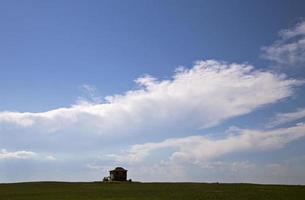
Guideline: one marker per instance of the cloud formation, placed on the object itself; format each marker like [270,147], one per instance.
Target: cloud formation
[289,50]
[4,154]
[24,155]
[203,96]
[201,149]
[283,118]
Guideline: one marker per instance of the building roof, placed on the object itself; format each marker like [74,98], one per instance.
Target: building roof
[119,169]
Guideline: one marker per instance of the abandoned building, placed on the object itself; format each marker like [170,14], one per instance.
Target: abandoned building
[118,174]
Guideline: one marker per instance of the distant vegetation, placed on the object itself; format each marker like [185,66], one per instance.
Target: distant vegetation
[148,191]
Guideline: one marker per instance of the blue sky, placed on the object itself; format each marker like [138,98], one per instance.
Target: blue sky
[171,90]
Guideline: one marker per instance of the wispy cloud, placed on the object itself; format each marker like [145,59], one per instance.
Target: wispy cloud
[90,94]
[50,157]
[283,118]
[4,154]
[200,149]
[24,155]
[289,50]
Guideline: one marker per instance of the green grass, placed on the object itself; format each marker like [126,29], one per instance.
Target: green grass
[145,191]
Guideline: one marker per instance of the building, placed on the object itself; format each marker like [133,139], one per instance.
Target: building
[118,174]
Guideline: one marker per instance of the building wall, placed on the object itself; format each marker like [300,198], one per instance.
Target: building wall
[118,175]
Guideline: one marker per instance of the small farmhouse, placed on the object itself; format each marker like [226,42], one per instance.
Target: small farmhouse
[118,174]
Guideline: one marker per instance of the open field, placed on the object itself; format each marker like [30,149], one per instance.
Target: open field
[194,191]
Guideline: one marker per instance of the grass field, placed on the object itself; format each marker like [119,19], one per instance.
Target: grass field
[194,191]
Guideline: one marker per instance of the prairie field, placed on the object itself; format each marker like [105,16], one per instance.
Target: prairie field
[147,191]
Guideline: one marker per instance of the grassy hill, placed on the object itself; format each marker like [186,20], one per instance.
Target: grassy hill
[145,191]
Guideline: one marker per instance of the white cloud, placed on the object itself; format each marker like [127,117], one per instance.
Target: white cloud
[289,50]
[4,154]
[50,157]
[283,118]
[200,149]
[200,97]
[101,168]
[24,155]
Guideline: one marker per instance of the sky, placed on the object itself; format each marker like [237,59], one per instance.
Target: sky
[199,91]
